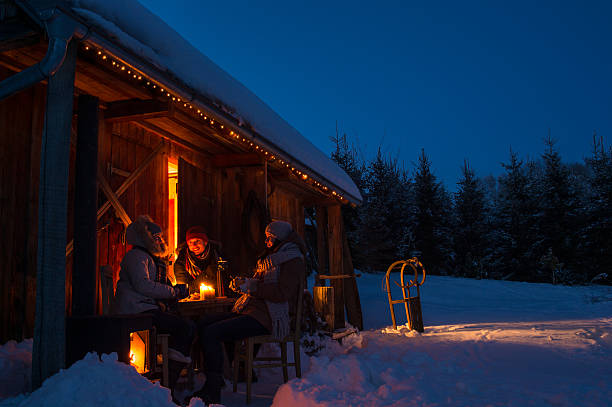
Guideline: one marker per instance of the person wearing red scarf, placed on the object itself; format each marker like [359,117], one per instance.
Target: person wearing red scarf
[197,262]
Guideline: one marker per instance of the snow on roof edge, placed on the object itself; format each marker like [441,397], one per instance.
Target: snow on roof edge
[127,24]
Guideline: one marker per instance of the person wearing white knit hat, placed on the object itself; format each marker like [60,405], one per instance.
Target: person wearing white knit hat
[265,306]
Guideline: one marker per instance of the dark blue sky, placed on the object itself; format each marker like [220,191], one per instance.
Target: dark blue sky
[463,80]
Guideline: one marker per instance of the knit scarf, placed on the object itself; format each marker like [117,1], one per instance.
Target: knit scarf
[191,261]
[268,271]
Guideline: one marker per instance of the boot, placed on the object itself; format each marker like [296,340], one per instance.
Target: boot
[211,392]
[174,372]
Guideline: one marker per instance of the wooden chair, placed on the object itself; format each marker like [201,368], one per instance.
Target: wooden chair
[158,356]
[250,358]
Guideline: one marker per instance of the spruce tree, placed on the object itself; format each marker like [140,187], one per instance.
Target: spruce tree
[431,219]
[470,224]
[515,233]
[595,248]
[383,215]
[558,211]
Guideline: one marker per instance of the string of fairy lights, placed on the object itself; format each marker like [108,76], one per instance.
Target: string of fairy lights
[134,75]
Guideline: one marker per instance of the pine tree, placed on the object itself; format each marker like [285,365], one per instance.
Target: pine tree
[431,219]
[558,209]
[470,224]
[383,215]
[595,248]
[515,233]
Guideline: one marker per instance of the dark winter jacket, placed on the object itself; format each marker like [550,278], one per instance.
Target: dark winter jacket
[142,279]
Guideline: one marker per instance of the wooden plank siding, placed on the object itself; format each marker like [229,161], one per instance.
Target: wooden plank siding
[286,206]
[21,119]
[123,145]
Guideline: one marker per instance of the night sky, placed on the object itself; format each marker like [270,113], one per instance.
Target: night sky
[463,80]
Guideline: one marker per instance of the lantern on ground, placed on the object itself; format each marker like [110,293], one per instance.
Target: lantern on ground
[139,345]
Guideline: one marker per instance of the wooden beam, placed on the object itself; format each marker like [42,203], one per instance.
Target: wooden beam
[85,206]
[236,160]
[112,198]
[137,109]
[169,136]
[15,33]
[336,261]
[49,349]
[126,184]
[197,127]
[328,277]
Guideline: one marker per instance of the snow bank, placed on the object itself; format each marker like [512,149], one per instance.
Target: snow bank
[501,344]
[97,382]
[486,343]
[16,368]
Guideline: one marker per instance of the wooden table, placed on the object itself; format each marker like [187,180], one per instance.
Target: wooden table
[194,309]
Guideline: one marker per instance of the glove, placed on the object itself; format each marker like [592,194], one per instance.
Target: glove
[249,285]
[234,285]
[181,291]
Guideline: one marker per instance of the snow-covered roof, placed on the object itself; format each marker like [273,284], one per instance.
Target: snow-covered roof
[147,38]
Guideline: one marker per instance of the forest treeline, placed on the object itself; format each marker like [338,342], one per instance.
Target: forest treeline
[542,220]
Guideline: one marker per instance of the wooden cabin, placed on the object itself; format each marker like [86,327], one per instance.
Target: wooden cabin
[109,114]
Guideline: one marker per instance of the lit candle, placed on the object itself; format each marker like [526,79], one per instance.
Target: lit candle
[206,291]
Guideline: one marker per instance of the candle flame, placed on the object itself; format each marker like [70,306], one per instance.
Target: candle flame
[206,291]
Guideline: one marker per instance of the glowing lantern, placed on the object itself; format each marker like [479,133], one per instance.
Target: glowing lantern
[138,351]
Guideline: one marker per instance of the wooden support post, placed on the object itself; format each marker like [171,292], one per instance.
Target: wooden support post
[85,207]
[336,261]
[351,293]
[324,304]
[321,216]
[49,350]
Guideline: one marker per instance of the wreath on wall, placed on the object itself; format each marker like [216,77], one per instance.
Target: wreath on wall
[255,218]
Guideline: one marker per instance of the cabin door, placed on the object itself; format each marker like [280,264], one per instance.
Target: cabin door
[196,200]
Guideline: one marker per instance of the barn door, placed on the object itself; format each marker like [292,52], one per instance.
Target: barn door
[196,200]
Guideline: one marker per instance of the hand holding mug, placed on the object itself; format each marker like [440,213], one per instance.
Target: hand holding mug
[236,283]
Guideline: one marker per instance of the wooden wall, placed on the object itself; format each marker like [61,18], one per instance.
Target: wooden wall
[122,146]
[21,123]
[288,207]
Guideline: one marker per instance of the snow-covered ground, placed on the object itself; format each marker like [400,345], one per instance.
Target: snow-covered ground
[486,343]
